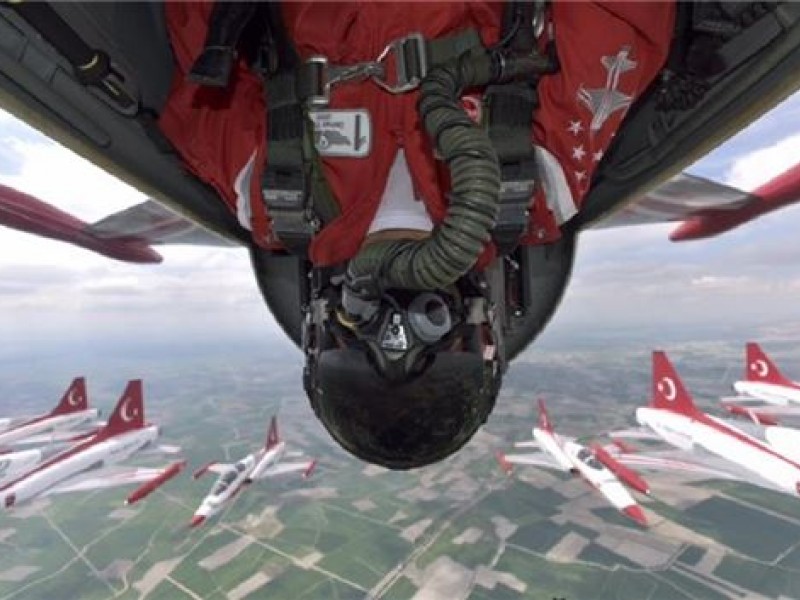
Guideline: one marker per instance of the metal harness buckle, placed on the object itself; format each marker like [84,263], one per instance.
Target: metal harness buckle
[411,64]
[410,67]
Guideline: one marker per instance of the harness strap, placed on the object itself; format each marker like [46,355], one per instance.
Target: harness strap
[298,198]
[510,109]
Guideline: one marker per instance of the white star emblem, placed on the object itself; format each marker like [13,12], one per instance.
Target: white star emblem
[580,176]
[575,127]
[597,156]
[578,152]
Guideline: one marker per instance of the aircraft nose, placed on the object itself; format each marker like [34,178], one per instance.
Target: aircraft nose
[196,521]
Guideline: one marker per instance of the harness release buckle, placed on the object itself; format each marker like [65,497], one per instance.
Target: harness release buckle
[410,60]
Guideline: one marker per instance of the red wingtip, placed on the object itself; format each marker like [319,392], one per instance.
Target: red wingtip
[203,470]
[624,446]
[196,521]
[635,512]
[310,469]
[507,467]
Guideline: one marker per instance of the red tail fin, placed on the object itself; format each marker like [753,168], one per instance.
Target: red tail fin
[74,399]
[761,368]
[668,390]
[272,434]
[544,420]
[129,412]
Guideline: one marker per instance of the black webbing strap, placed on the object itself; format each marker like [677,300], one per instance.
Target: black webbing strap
[510,117]
[298,198]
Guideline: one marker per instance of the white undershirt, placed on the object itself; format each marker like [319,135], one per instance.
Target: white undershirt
[399,208]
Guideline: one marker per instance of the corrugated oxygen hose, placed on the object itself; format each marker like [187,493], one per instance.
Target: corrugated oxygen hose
[455,245]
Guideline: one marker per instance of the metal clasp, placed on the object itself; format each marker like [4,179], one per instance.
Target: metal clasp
[325,76]
[411,64]
[408,56]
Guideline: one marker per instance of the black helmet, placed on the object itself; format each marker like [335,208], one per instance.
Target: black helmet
[411,384]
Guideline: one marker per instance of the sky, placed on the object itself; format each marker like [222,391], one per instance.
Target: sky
[626,277]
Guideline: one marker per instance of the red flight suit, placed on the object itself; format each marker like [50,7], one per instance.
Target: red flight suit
[608,54]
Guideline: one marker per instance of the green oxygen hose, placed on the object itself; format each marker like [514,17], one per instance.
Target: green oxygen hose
[455,245]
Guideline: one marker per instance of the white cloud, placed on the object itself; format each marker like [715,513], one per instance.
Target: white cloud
[756,168]
[49,285]
[622,276]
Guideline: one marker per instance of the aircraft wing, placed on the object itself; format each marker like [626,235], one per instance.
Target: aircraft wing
[705,208]
[160,450]
[152,223]
[56,437]
[531,444]
[539,459]
[126,236]
[634,434]
[289,467]
[761,407]
[105,478]
[684,462]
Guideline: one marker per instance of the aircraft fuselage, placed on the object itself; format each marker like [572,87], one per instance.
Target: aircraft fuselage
[725,441]
[91,454]
[44,424]
[579,459]
[228,484]
[772,393]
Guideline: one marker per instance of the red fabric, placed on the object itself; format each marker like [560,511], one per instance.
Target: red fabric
[585,33]
[217,131]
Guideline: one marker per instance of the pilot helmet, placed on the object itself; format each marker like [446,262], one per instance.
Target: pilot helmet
[406,379]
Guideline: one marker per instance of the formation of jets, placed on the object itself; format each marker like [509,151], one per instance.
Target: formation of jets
[76,452]
[760,452]
[69,459]
[89,460]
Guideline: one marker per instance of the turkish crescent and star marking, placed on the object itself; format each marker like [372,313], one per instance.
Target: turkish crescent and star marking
[73,398]
[124,412]
[667,387]
[760,367]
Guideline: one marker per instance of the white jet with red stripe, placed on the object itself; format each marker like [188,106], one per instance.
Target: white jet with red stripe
[256,466]
[565,454]
[91,464]
[72,411]
[764,455]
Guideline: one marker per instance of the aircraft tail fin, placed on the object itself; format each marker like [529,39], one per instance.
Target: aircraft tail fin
[273,437]
[544,419]
[761,368]
[669,392]
[129,412]
[74,399]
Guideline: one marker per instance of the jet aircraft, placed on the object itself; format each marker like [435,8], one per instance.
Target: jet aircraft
[71,411]
[597,466]
[109,115]
[258,465]
[763,381]
[90,464]
[764,455]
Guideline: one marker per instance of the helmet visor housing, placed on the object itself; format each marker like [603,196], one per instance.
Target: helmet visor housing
[408,424]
